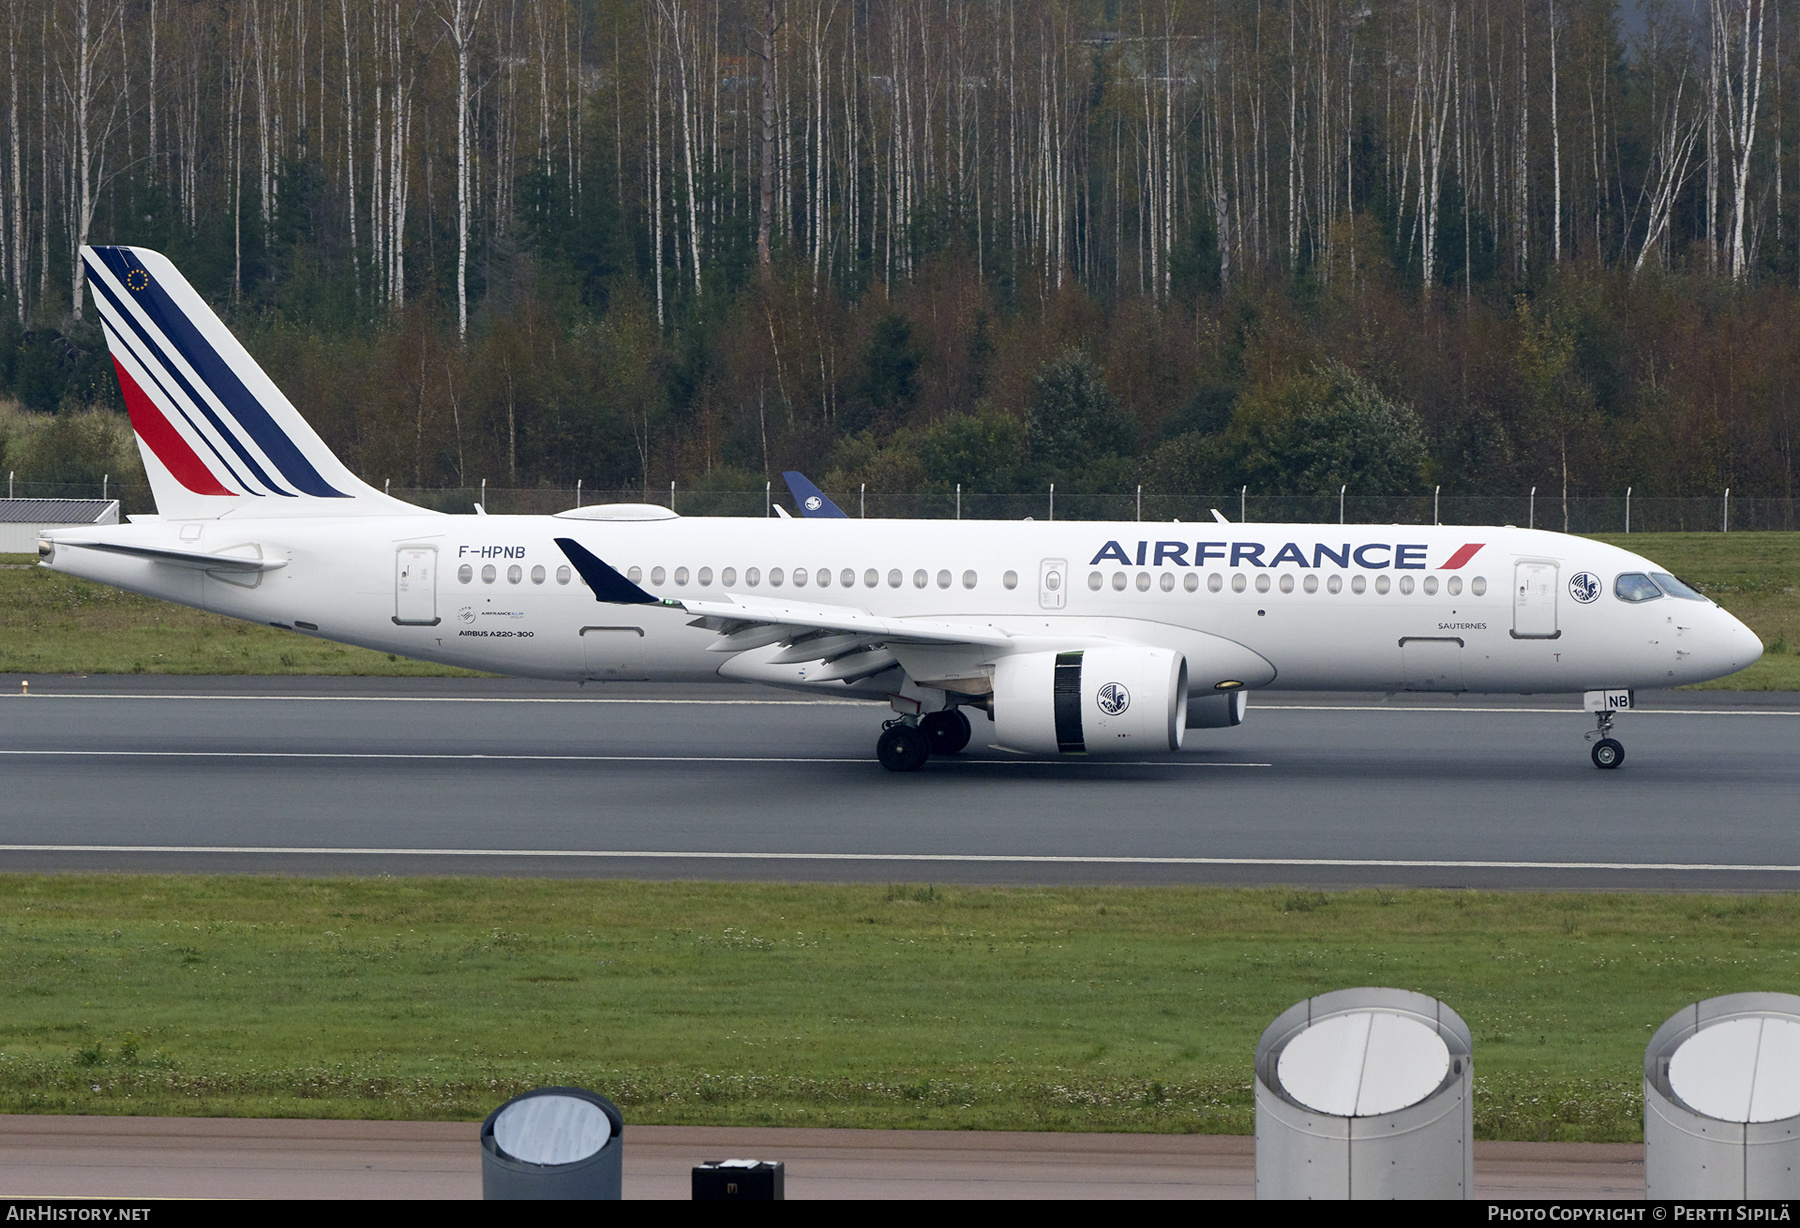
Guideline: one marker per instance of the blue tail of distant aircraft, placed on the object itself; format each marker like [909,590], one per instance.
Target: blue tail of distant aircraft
[811,499]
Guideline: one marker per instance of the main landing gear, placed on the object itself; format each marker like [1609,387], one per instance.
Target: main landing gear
[906,742]
[1607,752]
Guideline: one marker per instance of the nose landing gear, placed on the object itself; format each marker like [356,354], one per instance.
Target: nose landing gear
[1607,752]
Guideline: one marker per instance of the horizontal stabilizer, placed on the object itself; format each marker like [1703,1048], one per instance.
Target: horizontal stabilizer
[197,559]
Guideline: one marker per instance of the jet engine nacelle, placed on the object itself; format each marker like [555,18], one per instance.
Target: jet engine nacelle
[1220,710]
[1095,701]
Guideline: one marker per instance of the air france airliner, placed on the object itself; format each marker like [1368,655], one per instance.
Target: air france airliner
[1067,638]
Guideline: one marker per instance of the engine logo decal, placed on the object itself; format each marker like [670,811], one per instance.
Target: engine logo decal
[1584,586]
[1113,698]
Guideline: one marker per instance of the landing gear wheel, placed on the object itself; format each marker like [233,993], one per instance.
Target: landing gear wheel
[1608,753]
[903,748]
[948,731]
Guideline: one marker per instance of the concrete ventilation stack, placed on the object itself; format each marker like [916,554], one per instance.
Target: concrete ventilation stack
[556,1142]
[1722,1100]
[1365,1093]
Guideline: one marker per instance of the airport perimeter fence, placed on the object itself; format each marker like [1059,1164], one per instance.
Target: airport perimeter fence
[1577,514]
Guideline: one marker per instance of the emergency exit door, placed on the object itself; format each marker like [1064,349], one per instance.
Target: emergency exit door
[415,586]
[1053,583]
[1534,600]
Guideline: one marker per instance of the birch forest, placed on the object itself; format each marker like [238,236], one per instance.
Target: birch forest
[1298,245]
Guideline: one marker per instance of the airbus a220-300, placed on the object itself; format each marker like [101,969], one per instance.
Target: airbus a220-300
[1062,638]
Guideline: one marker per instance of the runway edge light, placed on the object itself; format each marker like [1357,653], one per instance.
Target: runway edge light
[1365,1093]
[1722,1100]
[555,1142]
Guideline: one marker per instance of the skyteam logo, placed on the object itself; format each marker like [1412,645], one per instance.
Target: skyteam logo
[1113,698]
[1584,586]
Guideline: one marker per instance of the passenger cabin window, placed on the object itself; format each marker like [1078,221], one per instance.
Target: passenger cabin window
[1359,584]
[1478,586]
[1143,581]
[1010,579]
[1238,583]
[1334,584]
[465,573]
[1262,584]
[1168,582]
[635,575]
[847,578]
[1675,588]
[1215,583]
[1430,583]
[774,577]
[1287,584]
[1406,585]
[895,579]
[1095,580]
[514,574]
[871,578]
[1118,581]
[1381,584]
[705,577]
[681,576]
[1311,584]
[753,577]
[562,575]
[920,579]
[1635,587]
[537,574]
[728,577]
[488,573]
[943,579]
[800,577]
[1453,585]
[1191,582]
[658,575]
[969,579]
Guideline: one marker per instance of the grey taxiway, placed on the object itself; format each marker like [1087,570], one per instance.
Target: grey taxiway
[441,776]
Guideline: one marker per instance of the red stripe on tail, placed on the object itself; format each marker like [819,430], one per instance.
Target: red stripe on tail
[1462,556]
[164,440]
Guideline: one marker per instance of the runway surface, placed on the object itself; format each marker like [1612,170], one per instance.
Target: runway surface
[360,776]
[179,1157]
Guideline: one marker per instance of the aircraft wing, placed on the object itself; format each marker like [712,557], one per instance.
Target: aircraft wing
[812,631]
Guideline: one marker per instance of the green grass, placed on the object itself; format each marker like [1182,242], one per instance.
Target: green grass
[1085,1009]
[1754,575]
[54,624]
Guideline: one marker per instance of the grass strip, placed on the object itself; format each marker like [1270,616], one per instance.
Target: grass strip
[756,1004]
[53,624]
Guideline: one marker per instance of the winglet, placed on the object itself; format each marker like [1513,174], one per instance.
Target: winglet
[811,499]
[608,585]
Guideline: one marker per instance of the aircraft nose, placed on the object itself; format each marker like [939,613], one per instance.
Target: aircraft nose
[1743,646]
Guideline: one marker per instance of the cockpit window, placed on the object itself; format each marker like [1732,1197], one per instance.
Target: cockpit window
[1675,588]
[1635,586]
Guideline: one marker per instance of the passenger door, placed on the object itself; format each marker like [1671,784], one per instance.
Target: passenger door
[1534,600]
[1053,583]
[415,586]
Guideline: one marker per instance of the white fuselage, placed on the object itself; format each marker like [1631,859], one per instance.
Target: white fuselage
[1310,607]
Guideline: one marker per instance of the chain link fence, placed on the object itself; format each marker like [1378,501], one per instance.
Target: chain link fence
[1577,514]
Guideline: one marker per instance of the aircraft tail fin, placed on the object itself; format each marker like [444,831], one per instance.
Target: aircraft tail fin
[217,436]
[812,500]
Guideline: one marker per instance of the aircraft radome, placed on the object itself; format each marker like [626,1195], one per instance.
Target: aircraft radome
[1071,638]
